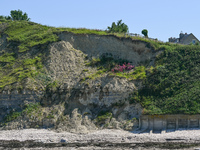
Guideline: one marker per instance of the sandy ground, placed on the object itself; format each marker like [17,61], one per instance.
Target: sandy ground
[111,136]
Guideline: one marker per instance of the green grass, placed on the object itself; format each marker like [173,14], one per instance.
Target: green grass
[15,70]
[7,58]
[24,35]
[83,31]
[12,116]
[30,108]
[28,34]
[173,87]
[97,74]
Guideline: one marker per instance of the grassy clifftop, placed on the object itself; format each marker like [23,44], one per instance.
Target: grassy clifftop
[29,34]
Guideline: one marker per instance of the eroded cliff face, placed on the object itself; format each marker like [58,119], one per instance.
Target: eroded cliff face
[67,65]
[135,51]
[79,98]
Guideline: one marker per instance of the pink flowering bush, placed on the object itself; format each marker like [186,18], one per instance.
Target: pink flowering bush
[124,67]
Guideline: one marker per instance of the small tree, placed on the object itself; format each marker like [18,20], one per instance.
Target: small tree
[118,28]
[145,32]
[18,15]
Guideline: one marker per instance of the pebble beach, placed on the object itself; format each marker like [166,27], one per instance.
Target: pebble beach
[101,139]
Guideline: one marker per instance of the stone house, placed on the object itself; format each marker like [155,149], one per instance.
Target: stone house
[185,39]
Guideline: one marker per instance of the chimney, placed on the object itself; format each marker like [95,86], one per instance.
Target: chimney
[181,35]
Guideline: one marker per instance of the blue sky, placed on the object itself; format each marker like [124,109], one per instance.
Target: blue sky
[162,18]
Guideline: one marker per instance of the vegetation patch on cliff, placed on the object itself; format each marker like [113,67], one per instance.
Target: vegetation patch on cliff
[15,70]
[173,87]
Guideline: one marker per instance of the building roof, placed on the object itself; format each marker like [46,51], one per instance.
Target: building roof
[184,39]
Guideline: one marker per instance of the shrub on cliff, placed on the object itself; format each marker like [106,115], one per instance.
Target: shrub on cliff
[122,68]
[118,28]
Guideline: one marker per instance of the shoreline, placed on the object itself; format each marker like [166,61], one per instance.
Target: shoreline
[32,138]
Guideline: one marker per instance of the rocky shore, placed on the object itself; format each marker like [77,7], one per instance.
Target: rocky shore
[101,139]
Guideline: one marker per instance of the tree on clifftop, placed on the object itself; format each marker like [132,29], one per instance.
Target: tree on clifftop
[18,15]
[118,28]
[145,32]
